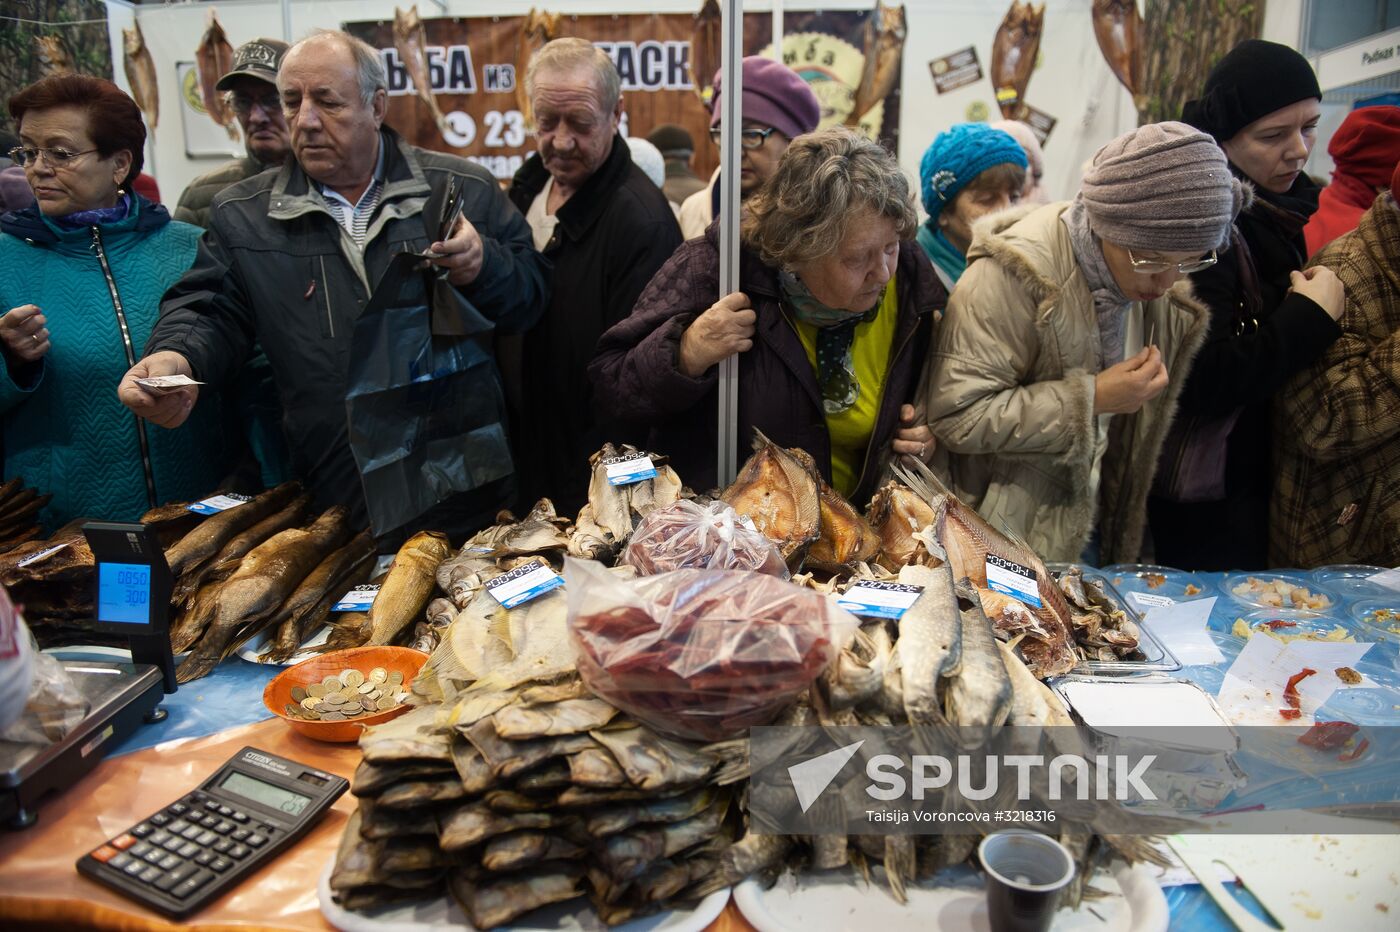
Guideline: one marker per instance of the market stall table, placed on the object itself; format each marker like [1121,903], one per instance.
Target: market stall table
[212,719]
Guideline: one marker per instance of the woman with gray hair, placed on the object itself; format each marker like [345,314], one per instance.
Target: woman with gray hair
[832,323]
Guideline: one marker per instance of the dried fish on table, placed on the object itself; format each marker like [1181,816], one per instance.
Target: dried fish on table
[141,73]
[979,697]
[411,43]
[474,822]
[883,48]
[1014,51]
[419,735]
[570,717]
[930,644]
[408,587]
[214,532]
[494,903]
[372,779]
[606,522]
[214,59]
[308,607]
[779,492]
[264,579]
[846,538]
[897,514]
[523,849]
[221,565]
[427,634]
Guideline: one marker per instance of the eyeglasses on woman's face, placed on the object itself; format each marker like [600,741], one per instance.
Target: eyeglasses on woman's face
[750,137]
[1158,266]
[57,157]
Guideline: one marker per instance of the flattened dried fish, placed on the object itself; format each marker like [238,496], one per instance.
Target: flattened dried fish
[411,43]
[570,717]
[213,60]
[406,590]
[469,823]
[652,762]
[372,779]
[377,823]
[897,514]
[471,767]
[507,758]
[416,793]
[512,852]
[778,491]
[614,819]
[1014,50]
[706,39]
[1121,33]
[883,48]
[53,58]
[488,905]
[416,735]
[626,856]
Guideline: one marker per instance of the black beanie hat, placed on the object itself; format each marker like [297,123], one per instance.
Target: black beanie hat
[1253,80]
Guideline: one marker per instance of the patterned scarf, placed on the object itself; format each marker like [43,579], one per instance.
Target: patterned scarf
[96,217]
[1110,304]
[836,331]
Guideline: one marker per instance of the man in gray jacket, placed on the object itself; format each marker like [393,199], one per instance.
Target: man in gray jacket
[251,86]
[291,260]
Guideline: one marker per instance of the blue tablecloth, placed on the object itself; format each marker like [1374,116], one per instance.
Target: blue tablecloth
[232,695]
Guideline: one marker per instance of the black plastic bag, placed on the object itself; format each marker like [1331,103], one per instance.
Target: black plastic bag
[424,405]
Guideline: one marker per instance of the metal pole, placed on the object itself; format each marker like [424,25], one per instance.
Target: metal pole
[731,121]
[287,21]
[777,30]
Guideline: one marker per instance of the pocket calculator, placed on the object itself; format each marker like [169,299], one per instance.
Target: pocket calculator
[198,847]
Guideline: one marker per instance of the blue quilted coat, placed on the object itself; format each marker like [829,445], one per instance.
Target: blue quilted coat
[65,432]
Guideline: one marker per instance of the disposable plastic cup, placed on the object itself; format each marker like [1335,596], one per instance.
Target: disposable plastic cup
[1026,873]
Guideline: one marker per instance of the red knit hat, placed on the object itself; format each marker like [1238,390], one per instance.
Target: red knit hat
[1364,146]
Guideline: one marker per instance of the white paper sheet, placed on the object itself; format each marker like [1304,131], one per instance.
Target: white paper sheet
[1252,693]
[1182,628]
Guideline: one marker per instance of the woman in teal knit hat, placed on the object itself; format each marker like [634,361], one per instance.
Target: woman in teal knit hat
[81,277]
[967,172]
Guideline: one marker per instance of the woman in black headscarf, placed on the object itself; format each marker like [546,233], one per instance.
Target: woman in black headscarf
[1210,503]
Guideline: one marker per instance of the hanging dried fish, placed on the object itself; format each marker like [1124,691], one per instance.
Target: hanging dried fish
[884,46]
[411,43]
[705,50]
[213,60]
[53,55]
[539,27]
[141,74]
[1119,28]
[1014,52]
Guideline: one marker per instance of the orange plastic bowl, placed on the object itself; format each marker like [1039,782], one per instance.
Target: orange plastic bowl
[278,694]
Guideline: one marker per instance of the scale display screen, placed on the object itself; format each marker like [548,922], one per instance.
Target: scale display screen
[274,797]
[124,593]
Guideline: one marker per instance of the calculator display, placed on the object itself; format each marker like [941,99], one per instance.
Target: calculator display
[266,793]
[124,593]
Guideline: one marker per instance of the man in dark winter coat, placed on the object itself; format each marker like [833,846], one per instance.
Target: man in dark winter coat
[291,259]
[607,229]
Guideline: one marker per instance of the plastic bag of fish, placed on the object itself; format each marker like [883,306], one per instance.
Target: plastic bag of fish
[700,654]
[688,535]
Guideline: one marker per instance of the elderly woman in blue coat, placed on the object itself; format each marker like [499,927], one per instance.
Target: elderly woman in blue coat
[81,276]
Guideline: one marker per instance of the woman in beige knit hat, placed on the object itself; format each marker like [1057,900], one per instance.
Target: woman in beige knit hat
[1058,361]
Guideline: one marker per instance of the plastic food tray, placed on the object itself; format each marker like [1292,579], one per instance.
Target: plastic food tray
[1302,622]
[1128,578]
[1353,581]
[1156,657]
[1301,580]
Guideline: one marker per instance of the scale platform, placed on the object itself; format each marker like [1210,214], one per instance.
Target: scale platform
[120,697]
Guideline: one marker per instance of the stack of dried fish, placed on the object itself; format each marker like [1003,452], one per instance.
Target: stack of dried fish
[19,513]
[1102,628]
[514,798]
[612,512]
[52,581]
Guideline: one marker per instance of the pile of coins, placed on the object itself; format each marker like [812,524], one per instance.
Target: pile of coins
[348,695]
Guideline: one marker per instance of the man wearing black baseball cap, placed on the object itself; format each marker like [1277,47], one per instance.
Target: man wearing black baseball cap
[251,89]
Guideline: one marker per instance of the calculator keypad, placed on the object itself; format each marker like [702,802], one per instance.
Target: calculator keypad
[179,850]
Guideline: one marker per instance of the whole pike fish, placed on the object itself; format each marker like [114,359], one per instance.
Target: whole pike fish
[1014,50]
[540,27]
[214,59]
[884,47]
[411,43]
[141,74]
[210,536]
[408,587]
[979,698]
[930,646]
[264,579]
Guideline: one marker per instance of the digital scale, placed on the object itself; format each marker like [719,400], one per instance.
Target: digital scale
[132,599]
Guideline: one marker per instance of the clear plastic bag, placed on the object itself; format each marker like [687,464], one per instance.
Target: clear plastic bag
[54,705]
[686,535]
[700,654]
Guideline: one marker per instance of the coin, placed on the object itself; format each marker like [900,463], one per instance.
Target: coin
[353,678]
[379,675]
[384,703]
[365,689]
[298,693]
[331,683]
[396,678]
[309,703]
[334,700]
[333,717]
[316,689]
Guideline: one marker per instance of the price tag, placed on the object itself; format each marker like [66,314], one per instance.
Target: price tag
[1013,579]
[217,503]
[879,599]
[1390,579]
[1142,601]
[523,583]
[625,470]
[358,599]
[41,555]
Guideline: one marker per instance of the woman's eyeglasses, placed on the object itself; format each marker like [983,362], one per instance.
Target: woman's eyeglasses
[1157,266]
[750,137]
[57,157]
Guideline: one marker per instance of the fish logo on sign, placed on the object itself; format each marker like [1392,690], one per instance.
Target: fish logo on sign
[811,777]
